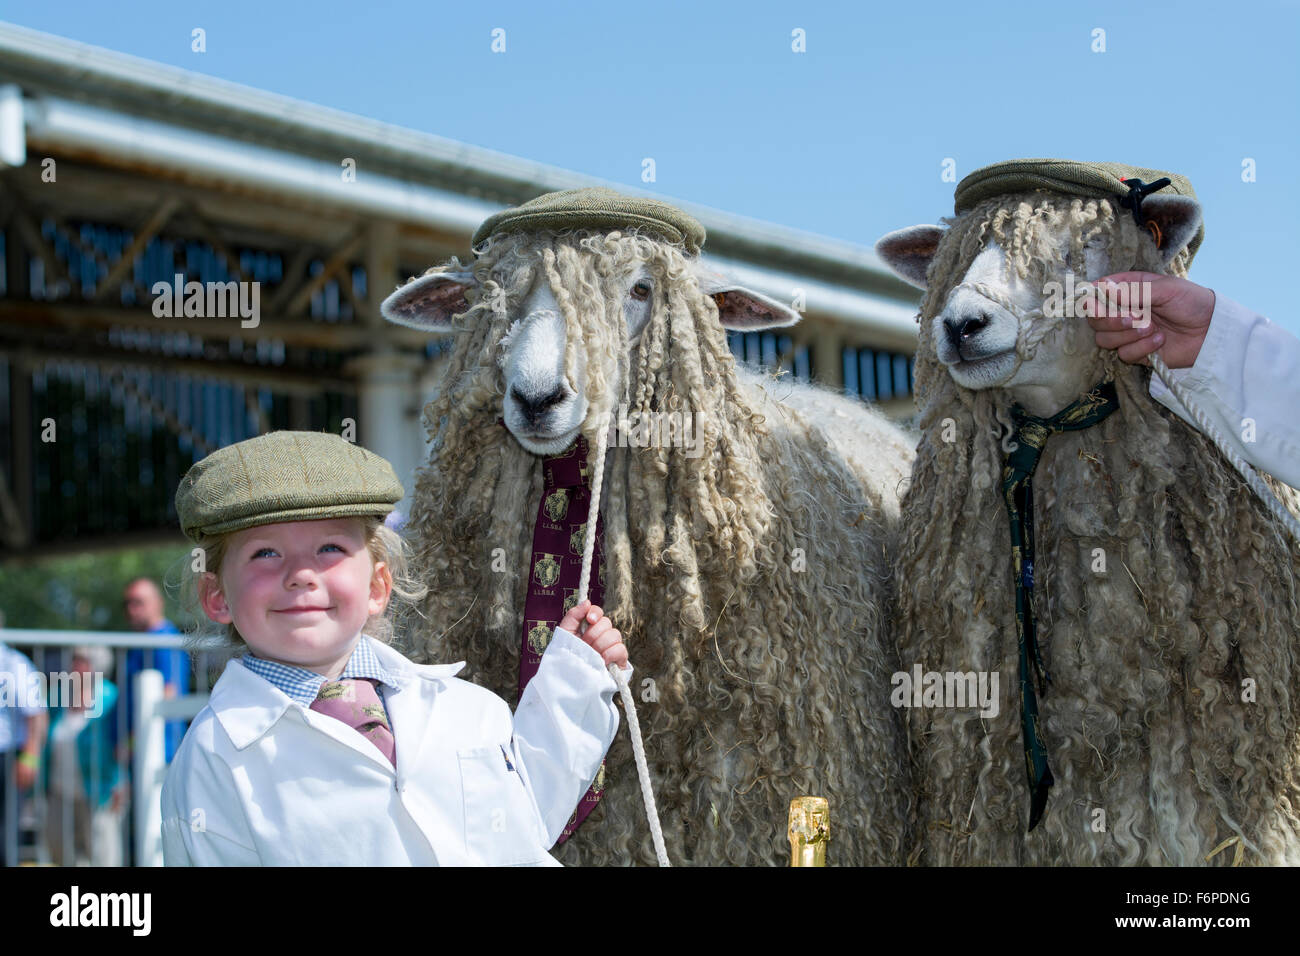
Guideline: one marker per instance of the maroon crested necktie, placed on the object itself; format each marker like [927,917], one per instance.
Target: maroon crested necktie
[355,701]
[554,570]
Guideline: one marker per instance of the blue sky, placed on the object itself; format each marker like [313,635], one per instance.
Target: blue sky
[847,139]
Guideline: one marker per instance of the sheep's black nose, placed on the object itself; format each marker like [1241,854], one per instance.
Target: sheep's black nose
[535,408]
[962,328]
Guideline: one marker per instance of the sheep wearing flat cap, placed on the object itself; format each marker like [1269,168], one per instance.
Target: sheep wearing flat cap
[1165,595]
[747,574]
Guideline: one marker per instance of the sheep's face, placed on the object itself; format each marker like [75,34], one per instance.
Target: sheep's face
[544,407]
[545,404]
[976,333]
[986,332]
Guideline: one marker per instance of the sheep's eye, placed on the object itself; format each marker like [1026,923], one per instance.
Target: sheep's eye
[641,290]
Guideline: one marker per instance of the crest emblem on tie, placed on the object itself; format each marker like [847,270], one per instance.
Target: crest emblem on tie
[570,600]
[578,538]
[583,468]
[337,690]
[546,568]
[557,505]
[598,784]
[1035,435]
[376,714]
[539,635]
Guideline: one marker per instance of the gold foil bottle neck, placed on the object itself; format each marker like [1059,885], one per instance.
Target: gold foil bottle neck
[809,831]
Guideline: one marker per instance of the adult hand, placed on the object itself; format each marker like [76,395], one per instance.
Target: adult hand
[1167,314]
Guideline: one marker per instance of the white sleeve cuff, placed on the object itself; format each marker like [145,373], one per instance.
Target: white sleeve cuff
[572,644]
[1226,325]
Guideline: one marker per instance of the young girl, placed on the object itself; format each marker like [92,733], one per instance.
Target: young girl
[322,745]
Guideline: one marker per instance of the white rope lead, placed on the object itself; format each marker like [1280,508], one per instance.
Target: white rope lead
[1256,483]
[629,705]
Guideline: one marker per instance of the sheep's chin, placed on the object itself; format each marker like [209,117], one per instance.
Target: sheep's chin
[544,446]
[989,372]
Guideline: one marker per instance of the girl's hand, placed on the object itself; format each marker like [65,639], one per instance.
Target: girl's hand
[589,622]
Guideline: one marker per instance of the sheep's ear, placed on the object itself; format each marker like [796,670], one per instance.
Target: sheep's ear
[430,301]
[1179,217]
[743,309]
[908,252]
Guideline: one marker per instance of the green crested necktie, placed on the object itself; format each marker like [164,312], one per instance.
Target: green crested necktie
[1031,434]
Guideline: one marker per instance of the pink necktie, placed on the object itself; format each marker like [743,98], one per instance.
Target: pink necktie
[355,701]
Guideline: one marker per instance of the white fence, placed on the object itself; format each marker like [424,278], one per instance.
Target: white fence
[52,825]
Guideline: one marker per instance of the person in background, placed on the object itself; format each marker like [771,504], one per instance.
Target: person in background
[23,723]
[143,602]
[1242,370]
[86,791]
[144,613]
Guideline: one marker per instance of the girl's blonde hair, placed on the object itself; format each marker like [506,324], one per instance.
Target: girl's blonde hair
[224,640]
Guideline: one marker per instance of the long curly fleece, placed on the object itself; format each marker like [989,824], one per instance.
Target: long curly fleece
[1171,723]
[750,581]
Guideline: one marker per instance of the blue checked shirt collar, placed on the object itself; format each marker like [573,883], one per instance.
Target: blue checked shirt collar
[303,685]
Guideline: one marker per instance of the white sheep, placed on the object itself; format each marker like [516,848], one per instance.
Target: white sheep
[1165,596]
[748,572]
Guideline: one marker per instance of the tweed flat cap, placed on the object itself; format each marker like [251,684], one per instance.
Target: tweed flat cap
[284,476]
[596,208]
[1101,180]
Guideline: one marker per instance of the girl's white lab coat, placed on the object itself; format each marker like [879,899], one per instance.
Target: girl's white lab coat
[261,780]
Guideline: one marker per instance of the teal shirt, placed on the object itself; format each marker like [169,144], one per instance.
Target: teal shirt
[96,746]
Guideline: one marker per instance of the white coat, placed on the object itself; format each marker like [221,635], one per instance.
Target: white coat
[1245,380]
[261,780]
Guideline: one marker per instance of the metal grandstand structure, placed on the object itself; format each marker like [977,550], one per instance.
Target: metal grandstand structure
[117,173]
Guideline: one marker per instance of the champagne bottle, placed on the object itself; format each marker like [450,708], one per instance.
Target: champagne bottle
[809,830]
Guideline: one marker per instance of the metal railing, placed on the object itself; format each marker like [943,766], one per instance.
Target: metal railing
[55,823]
